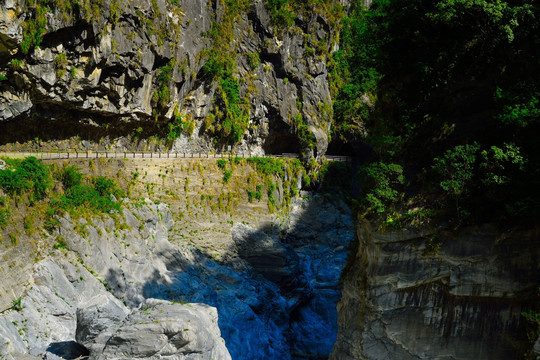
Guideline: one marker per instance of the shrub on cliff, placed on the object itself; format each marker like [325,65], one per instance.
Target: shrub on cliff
[28,175]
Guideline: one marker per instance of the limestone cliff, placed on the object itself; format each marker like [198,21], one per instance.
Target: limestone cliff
[69,307]
[118,72]
[126,286]
[460,295]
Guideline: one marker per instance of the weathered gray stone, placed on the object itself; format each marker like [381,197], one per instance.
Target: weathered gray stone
[460,295]
[279,302]
[168,330]
[108,67]
[97,320]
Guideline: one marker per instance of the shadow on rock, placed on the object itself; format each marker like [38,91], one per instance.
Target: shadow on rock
[68,350]
[277,295]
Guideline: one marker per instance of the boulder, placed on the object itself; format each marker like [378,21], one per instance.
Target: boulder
[163,329]
[97,320]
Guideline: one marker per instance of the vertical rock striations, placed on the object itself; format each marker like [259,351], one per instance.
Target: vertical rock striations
[455,296]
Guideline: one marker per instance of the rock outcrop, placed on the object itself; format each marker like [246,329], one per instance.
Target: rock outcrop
[69,310]
[123,290]
[111,68]
[166,330]
[452,296]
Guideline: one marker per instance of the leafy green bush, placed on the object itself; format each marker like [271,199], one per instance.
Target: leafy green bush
[254,60]
[16,64]
[104,186]
[28,175]
[178,125]
[465,170]
[381,184]
[236,118]
[282,12]
[162,95]
[251,195]
[258,192]
[86,198]
[221,163]
[255,194]
[61,61]
[70,176]
[227,176]
[34,29]
[268,166]
[456,168]
[81,199]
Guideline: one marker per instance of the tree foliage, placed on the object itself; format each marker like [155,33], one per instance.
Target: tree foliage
[451,88]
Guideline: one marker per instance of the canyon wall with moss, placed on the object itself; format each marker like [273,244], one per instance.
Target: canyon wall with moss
[188,75]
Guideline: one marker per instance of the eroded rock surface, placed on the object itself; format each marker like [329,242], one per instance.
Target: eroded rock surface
[166,330]
[70,310]
[123,290]
[108,70]
[452,296]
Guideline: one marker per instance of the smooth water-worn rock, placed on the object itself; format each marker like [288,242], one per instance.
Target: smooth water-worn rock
[447,296]
[275,298]
[166,330]
[69,311]
[46,321]
[97,319]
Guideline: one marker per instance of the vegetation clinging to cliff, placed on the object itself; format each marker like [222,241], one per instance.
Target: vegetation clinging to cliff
[29,180]
[444,90]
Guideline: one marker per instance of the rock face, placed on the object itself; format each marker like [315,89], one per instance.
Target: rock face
[166,330]
[69,311]
[97,319]
[454,296]
[123,290]
[46,323]
[107,68]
